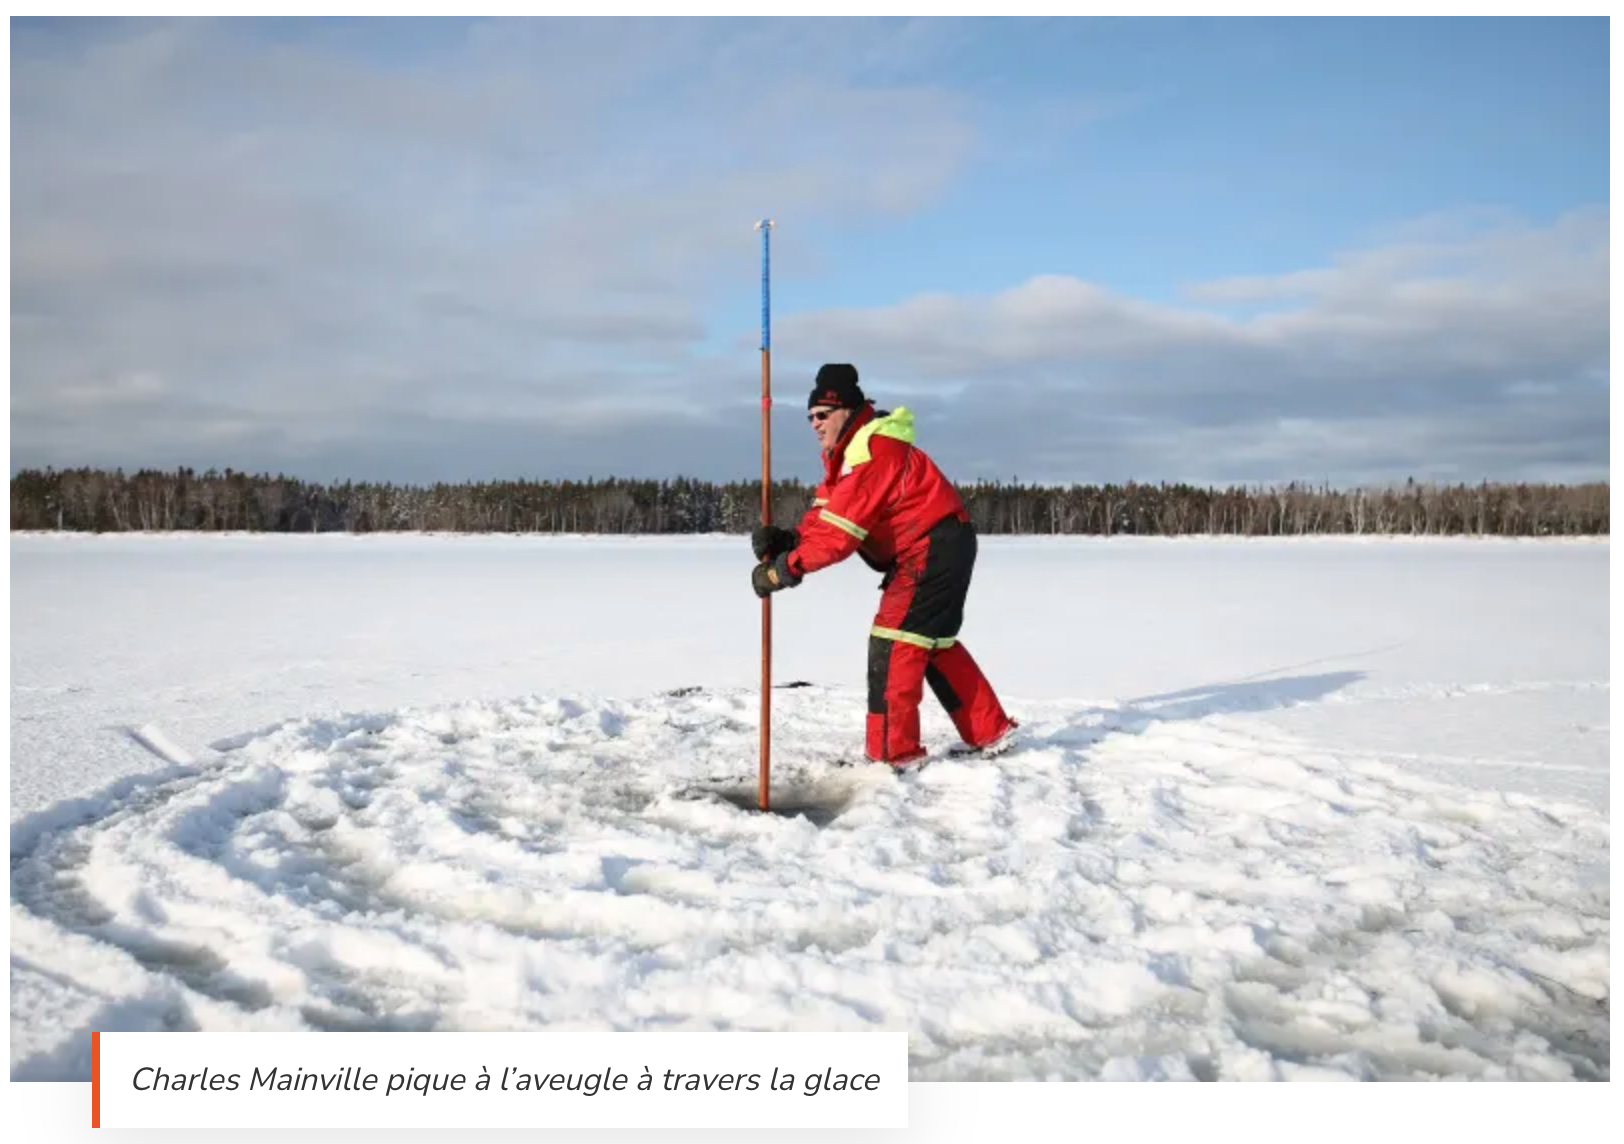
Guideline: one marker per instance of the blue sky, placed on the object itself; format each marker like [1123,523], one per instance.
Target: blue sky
[1202,146]
[1212,250]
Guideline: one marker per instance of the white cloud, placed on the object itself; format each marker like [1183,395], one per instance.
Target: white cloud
[284,228]
[1415,358]
[493,255]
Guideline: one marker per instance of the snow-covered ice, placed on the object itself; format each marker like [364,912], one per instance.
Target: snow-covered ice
[1284,809]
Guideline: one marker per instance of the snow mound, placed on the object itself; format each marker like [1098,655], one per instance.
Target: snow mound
[1130,894]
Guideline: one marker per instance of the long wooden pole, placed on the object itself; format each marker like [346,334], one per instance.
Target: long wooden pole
[765,226]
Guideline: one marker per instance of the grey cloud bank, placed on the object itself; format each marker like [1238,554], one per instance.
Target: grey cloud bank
[298,254]
[1481,356]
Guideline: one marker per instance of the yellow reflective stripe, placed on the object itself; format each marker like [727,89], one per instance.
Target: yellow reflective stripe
[909,638]
[816,501]
[843,524]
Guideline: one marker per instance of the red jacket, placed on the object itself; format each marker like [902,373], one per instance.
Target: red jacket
[879,496]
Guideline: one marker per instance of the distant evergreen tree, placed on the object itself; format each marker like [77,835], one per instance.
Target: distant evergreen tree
[92,500]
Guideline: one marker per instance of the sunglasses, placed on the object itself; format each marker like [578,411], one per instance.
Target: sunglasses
[819,416]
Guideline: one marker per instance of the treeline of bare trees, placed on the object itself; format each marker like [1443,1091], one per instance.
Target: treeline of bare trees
[89,500]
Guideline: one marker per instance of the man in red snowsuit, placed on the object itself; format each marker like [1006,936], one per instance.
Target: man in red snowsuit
[884,499]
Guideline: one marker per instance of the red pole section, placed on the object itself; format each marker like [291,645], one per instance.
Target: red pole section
[764,783]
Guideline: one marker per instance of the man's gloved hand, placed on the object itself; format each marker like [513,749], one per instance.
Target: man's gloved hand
[768,540]
[774,576]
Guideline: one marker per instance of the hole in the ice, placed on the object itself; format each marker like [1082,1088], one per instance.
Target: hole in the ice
[819,807]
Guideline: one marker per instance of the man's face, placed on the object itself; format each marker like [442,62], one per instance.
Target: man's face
[827,422]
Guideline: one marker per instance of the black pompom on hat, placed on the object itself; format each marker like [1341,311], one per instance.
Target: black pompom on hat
[836,385]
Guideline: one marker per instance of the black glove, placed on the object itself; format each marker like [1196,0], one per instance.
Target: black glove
[772,577]
[768,540]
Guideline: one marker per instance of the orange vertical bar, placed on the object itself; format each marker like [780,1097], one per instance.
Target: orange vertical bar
[95,1080]
[766,601]
[765,226]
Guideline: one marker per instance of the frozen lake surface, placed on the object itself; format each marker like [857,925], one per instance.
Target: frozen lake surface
[1284,808]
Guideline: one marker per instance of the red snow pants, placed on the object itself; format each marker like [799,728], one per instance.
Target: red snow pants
[914,641]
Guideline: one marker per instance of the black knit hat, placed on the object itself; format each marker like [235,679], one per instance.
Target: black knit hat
[836,384]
